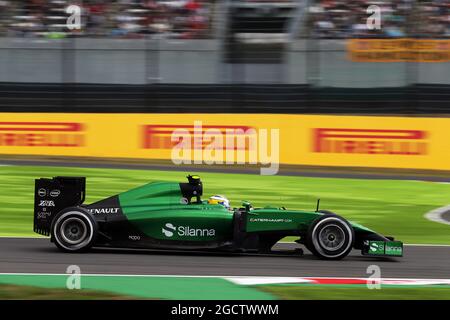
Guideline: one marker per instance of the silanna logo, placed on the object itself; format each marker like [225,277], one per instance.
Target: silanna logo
[41,134]
[168,230]
[186,231]
[369,141]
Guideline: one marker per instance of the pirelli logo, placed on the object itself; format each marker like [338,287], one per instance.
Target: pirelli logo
[160,136]
[370,141]
[41,134]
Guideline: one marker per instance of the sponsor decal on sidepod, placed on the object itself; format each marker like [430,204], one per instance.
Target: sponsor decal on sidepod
[186,231]
[104,210]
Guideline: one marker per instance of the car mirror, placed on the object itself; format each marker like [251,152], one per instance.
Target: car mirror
[247,205]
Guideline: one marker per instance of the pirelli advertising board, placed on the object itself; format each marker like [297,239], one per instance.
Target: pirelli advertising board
[391,142]
[398,50]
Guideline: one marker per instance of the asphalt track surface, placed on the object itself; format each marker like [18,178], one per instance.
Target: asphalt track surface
[29,255]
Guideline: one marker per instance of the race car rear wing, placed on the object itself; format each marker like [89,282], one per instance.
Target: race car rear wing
[53,195]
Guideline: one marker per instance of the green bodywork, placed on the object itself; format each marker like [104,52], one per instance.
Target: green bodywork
[160,211]
[160,206]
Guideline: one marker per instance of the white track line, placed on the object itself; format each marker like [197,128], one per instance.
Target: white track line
[436,215]
[405,244]
[198,276]
[24,237]
[110,275]
[317,280]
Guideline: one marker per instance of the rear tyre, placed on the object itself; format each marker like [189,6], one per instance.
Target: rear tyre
[330,237]
[74,230]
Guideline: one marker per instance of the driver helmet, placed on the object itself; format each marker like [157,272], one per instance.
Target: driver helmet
[219,200]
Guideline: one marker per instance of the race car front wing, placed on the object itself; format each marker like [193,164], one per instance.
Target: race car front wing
[382,248]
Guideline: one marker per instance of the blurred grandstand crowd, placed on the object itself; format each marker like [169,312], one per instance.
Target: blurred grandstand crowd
[192,19]
[182,19]
[399,18]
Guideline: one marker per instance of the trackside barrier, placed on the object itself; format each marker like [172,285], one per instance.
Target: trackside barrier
[325,140]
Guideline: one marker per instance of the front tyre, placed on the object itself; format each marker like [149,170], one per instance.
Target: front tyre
[330,237]
[74,230]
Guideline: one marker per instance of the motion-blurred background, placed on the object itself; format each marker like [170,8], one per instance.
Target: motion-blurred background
[225,55]
[362,116]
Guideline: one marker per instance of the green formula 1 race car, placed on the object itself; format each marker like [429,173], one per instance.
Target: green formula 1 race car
[167,215]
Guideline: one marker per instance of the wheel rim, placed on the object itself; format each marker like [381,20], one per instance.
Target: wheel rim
[332,237]
[73,230]
[66,235]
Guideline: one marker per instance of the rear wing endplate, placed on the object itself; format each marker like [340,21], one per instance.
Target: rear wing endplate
[53,195]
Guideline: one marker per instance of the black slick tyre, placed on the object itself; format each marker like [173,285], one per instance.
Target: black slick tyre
[330,237]
[74,230]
